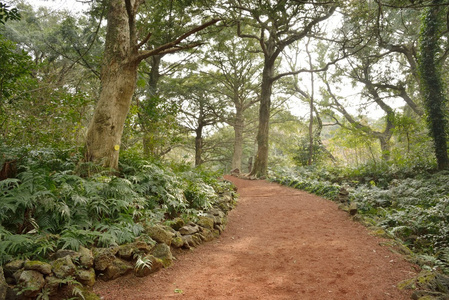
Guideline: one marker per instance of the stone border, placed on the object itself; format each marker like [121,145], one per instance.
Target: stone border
[67,269]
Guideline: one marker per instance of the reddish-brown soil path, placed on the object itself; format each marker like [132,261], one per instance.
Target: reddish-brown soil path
[280,243]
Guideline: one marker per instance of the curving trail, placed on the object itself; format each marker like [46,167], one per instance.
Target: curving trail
[280,243]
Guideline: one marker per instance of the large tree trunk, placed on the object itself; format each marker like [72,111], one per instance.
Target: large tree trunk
[261,161]
[118,81]
[238,139]
[432,84]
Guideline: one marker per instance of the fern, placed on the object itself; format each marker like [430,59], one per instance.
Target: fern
[142,262]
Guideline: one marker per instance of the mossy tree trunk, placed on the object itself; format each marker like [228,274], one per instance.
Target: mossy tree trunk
[432,84]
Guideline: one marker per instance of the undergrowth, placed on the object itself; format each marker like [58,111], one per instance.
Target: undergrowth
[411,205]
[52,205]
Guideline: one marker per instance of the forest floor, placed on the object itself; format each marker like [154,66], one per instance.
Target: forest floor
[280,243]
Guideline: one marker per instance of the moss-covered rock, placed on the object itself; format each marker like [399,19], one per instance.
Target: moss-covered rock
[206,222]
[13,266]
[207,234]
[31,282]
[37,265]
[162,251]
[177,223]
[177,242]
[160,234]
[103,257]
[154,264]
[63,267]
[86,258]
[189,229]
[117,268]
[128,251]
[86,277]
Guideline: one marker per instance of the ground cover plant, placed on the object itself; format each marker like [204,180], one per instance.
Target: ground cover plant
[52,204]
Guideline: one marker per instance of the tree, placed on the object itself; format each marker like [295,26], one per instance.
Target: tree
[236,75]
[52,101]
[430,74]
[124,50]
[199,108]
[278,25]
[7,13]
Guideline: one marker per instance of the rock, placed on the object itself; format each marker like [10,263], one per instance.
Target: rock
[162,251]
[220,228]
[32,282]
[216,212]
[353,208]
[16,276]
[128,251]
[206,222]
[65,252]
[39,266]
[218,220]
[117,268]
[177,241]
[13,266]
[86,277]
[191,240]
[189,229]
[52,285]
[86,259]
[187,241]
[63,267]
[177,223]
[160,234]
[154,265]
[3,285]
[207,234]
[103,257]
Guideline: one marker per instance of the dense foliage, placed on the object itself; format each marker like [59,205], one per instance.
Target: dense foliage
[51,204]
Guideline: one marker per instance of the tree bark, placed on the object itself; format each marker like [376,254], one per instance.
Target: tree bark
[432,85]
[261,161]
[118,81]
[238,139]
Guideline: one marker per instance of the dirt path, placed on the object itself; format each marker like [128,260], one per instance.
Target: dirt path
[280,243]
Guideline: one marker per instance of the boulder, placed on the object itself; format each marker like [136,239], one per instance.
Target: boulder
[86,258]
[154,265]
[39,266]
[128,251]
[191,240]
[13,266]
[160,234]
[117,268]
[177,223]
[177,241]
[63,267]
[65,252]
[206,222]
[86,277]
[162,251]
[103,257]
[207,234]
[31,282]
[189,229]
